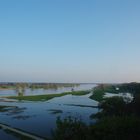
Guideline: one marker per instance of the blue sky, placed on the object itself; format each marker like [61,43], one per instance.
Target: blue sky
[70,40]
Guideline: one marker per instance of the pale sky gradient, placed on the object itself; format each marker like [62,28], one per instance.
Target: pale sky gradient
[70,40]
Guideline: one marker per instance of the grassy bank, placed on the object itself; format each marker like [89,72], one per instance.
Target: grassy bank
[97,94]
[47,96]
[100,91]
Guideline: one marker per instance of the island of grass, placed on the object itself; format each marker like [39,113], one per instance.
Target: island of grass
[2,108]
[48,96]
[100,90]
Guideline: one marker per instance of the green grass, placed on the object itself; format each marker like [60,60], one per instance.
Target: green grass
[110,89]
[7,87]
[97,94]
[48,96]
[99,91]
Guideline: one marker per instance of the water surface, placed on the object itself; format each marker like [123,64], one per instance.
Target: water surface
[40,117]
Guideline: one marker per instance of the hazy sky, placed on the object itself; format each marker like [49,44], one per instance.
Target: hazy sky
[70,40]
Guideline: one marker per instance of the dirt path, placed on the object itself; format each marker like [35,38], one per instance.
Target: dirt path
[21,132]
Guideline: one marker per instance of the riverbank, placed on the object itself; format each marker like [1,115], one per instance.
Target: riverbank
[8,88]
[100,90]
[47,96]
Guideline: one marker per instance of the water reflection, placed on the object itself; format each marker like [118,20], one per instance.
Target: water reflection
[16,110]
[23,117]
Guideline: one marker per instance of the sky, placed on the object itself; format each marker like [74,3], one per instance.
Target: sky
[70,41]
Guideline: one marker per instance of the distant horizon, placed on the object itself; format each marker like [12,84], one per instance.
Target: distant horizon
[75,41]
[72,82]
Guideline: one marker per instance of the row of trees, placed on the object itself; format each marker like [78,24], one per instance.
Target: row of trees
[21,87]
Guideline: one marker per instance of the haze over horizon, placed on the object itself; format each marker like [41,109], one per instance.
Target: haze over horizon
[70,41]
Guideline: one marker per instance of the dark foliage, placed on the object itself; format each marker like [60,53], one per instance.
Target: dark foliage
[108,128]
[117,120]
[70,129]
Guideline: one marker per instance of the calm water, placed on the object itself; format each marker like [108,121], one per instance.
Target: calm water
[127,97]
[47,91]
[40,117]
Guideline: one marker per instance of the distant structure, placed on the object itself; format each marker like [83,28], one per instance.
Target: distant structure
[72,89]
[117,88]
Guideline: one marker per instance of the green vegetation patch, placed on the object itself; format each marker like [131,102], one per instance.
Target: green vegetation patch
[99,91]
[47,96]
[4,108]
[98,94]
[108,128]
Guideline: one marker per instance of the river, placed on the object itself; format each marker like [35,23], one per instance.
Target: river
[40,117]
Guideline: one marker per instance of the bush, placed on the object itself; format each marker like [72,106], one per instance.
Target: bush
[108,128]
[70,129]
[116,128]
[113,106]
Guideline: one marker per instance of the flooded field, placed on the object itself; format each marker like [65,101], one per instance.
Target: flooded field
[39,118]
